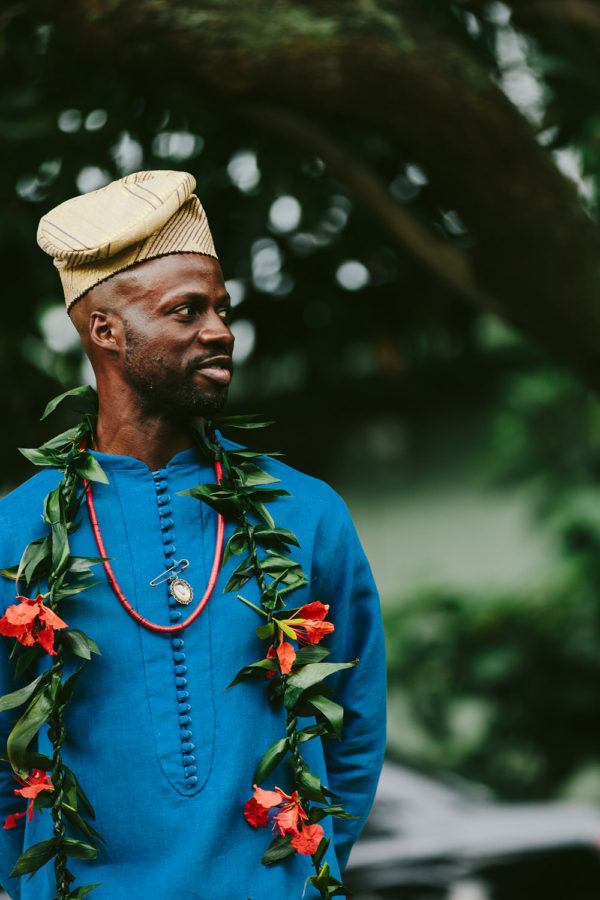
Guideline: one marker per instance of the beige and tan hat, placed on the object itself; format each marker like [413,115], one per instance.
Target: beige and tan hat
[141,216]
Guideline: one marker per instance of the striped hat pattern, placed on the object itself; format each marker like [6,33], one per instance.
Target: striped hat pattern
[140,216]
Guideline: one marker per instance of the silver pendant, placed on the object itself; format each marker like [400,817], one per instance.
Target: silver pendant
[181,590]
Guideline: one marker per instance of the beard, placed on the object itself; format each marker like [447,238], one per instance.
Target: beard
[167,393]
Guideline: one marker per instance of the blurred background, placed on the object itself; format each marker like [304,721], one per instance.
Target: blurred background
[404,197]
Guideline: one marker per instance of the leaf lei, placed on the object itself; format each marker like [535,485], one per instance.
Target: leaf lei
[294,679]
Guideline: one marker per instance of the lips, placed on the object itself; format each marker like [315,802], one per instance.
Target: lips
[217,368]
[215,373]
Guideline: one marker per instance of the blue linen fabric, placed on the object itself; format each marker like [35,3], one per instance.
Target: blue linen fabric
[163,749]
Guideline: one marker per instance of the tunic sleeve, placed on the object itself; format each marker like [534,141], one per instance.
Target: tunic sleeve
[353,763]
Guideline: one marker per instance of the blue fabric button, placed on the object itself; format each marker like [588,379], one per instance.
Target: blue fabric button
[166,524]
[188,747]
[190,771]
[189,760]
[183,695]
[185,734]
[180,670]
[192,780]
[185,720]
[180,682]
[162,501]
[184,708]
[179,657]
[177,643]
[175,615]
[170,551]
[167,511]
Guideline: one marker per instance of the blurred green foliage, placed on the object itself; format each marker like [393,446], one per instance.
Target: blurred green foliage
[498,687]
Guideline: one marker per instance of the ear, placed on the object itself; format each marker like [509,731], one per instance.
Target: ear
[106,331]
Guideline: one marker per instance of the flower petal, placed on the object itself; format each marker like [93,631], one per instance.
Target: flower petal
[255,814]
[313,610]
[308,840]
[267,799]
[22,613]
[286,656]
[45,639]
[50,618]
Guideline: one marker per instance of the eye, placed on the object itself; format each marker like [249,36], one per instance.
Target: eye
[227,313]
[186,308]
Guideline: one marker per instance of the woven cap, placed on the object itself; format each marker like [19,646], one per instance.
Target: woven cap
[141,216]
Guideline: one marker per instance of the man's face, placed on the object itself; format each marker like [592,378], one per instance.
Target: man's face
[175,320]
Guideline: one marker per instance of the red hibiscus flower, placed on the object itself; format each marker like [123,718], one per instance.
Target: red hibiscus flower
[308,840]
[308,624]
[286,821]
[34,784]
[31,622]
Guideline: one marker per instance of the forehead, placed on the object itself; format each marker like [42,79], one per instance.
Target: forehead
[177,274]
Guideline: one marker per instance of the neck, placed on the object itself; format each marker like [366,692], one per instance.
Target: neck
[123,428]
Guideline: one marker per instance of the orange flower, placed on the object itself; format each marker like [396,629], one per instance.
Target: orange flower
[309,627]
[308,624]
[33,785]
[286,655]
[308,840]
[31,622]
[290,811]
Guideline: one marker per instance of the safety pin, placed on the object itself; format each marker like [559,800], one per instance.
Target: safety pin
[174,569]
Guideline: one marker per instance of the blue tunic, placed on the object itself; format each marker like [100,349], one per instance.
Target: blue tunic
[164,751]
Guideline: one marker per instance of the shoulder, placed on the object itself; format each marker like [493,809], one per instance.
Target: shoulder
[21,514]
[318,497]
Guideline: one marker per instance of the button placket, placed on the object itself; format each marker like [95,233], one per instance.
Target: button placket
[167,527]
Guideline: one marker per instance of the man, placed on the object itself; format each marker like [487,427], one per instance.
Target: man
[164,751]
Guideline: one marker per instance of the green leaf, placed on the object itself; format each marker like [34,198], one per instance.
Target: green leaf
[250,420]
[79,849]
[237,543]
[310,731]
[308,676]
[251,454]
[71,778]
[79,822]
[333,712]
[265,631]
[311,654]
[311,785]
[40,457]
[261,510]
[25,730]
[85,396]
[89,467]
[35,554]
[34,857]
[251,474]
[320,851]
[67,687]
[83,891]
[278,849]
[256,668]
[316,813]
[271,758]
[11,572]
[27,657]
[10,701]
[80,644]
[276,536]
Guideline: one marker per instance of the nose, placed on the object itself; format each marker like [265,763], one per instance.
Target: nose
[215,330]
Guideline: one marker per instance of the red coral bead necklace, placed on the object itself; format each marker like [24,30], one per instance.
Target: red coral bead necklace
[112,579]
